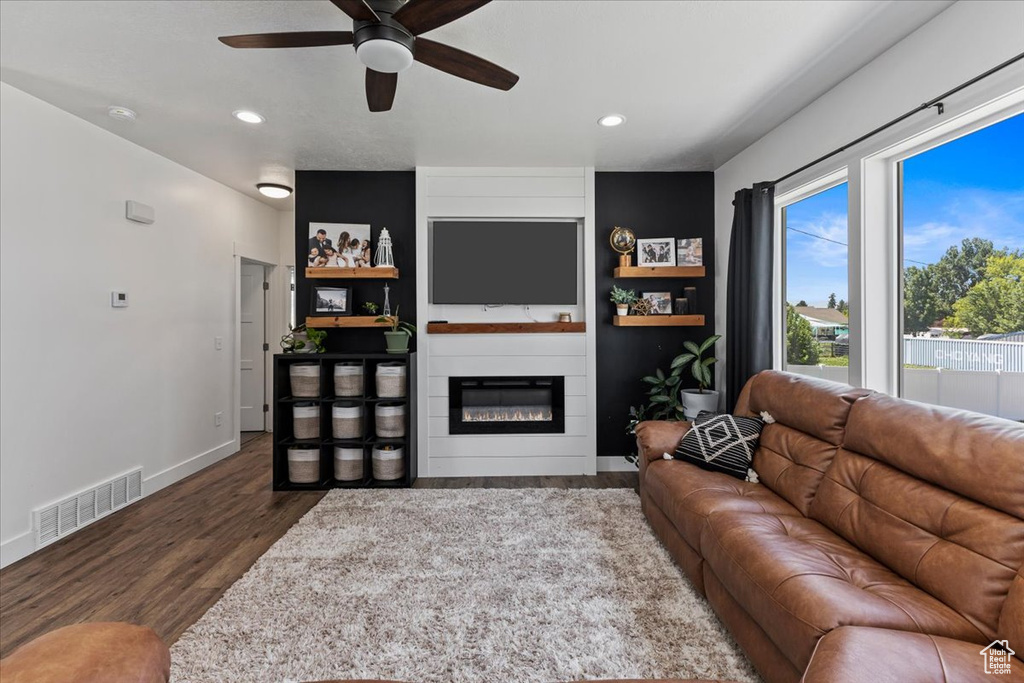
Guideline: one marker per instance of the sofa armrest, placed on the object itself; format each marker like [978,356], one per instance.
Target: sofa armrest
[97,652]
[860,653]
[654,438]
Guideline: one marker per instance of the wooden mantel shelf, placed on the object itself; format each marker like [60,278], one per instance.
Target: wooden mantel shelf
[663,271]
[320,322]
[658,320]
[375,273]
[503,328]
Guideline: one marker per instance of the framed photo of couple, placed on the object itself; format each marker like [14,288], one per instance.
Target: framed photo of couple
[339,245]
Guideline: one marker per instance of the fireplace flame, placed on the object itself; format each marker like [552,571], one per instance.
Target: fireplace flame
[506,414]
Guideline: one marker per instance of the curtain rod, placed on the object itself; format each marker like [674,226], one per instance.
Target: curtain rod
[934,102]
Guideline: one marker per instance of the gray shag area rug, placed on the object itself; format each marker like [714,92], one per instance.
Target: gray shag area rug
[466,585]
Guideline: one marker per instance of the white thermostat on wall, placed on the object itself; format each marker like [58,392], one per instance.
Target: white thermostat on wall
[119,299]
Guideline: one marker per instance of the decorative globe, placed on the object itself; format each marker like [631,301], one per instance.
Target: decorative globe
[623,240]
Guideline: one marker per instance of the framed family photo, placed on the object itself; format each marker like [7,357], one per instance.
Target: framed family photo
[657,252]
[331,301]
[339,245]
[661,302]
[690,252]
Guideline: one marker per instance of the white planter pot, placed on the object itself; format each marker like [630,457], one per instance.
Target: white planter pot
[622,309]
[694,402]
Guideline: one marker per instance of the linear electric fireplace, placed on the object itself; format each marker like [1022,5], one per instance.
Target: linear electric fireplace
[506,405]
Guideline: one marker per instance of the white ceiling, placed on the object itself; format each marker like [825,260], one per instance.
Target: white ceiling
[697,81]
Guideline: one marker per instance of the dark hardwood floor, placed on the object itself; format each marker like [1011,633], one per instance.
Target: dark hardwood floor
[167,559]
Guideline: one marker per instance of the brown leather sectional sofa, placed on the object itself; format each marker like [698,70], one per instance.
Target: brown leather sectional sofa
[884,542]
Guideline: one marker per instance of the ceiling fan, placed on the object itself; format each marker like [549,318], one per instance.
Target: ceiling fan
[386,36]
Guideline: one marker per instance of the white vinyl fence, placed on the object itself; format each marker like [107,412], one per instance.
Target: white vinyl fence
[964,354]
[990,392]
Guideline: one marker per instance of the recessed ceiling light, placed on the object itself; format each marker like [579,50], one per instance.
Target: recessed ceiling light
[273,190]
[611,120]
[248,116]
[121,113]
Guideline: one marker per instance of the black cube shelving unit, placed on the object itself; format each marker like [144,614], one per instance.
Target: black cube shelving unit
[283,426]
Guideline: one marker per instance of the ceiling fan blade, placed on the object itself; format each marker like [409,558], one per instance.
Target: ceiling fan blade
[464,65]
[357,9]
[294,39]
[380,90]
[420,16]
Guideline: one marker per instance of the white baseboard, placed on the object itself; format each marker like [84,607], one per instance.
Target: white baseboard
[614,463]
[155,482]
[13,549]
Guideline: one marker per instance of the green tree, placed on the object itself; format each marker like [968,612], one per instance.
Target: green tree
[959,269]
[843,307]
[801,303]
[832,300]
[921,306]
[801,348]
[995,304]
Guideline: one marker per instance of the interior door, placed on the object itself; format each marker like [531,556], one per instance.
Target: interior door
[252,353]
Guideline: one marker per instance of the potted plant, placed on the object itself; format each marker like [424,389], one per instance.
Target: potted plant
[622,298]
[398,336]
[370,308]
[703,397]
[304,340]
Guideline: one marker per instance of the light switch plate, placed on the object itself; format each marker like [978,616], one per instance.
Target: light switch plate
[218,343]
[119,299]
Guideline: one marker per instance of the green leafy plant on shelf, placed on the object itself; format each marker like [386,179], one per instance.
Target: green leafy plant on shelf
[371,308]
[304,340]
[621,297]
[398,336]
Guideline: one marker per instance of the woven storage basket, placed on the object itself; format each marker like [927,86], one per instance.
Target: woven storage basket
[347,420]
[348,464]
[305,379]
[306,421]
[348,379]
[388,465]
[389,419]
[391,380]
[303,465]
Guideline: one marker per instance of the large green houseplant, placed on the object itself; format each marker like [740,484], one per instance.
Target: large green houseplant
[703,397]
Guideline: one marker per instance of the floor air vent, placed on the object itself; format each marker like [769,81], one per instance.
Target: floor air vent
[60,519]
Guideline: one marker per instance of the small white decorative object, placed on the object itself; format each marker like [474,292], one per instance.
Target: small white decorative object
[387,302]
[768,419]
[666,456]
[385,257]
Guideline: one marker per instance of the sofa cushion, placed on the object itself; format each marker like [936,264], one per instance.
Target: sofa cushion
[853,654]
[688,494]
[810,424]
[799,580]
[963,553]
[721,443]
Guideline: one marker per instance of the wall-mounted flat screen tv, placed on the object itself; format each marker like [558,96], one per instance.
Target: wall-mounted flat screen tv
[504,262]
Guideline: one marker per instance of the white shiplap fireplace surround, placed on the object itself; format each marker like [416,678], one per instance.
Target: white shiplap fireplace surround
[506,194]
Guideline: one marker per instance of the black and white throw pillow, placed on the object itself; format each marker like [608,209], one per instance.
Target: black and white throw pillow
[722,443]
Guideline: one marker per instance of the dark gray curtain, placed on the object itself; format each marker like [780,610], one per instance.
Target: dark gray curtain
[748,344]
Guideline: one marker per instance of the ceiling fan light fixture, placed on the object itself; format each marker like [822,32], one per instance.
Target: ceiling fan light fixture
[611,120]
[385,56]
[273,190]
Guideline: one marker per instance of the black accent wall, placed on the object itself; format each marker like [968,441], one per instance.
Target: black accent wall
[652,205]
[382,199]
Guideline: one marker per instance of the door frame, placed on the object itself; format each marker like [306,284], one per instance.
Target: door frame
[273,315]
[265,289]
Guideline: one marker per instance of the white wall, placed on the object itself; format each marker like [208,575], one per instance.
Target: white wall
[89,391]
[962,42]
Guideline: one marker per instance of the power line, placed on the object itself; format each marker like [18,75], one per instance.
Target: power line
[842,244]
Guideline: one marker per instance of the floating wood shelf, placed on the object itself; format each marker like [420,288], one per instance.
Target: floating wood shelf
[503,328]
[665,271]
[318,322]
[658,320]
[382,273]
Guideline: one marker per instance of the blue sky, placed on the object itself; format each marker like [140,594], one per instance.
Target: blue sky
[970,187]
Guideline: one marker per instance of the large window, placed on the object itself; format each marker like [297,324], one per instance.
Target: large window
[962,236]
[816,289]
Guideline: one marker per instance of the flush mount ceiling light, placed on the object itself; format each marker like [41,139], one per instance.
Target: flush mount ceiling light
[121,113]
[273,190]
[248,116]
[611,120]
[385,54]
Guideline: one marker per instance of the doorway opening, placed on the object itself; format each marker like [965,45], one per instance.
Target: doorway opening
[253,347]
